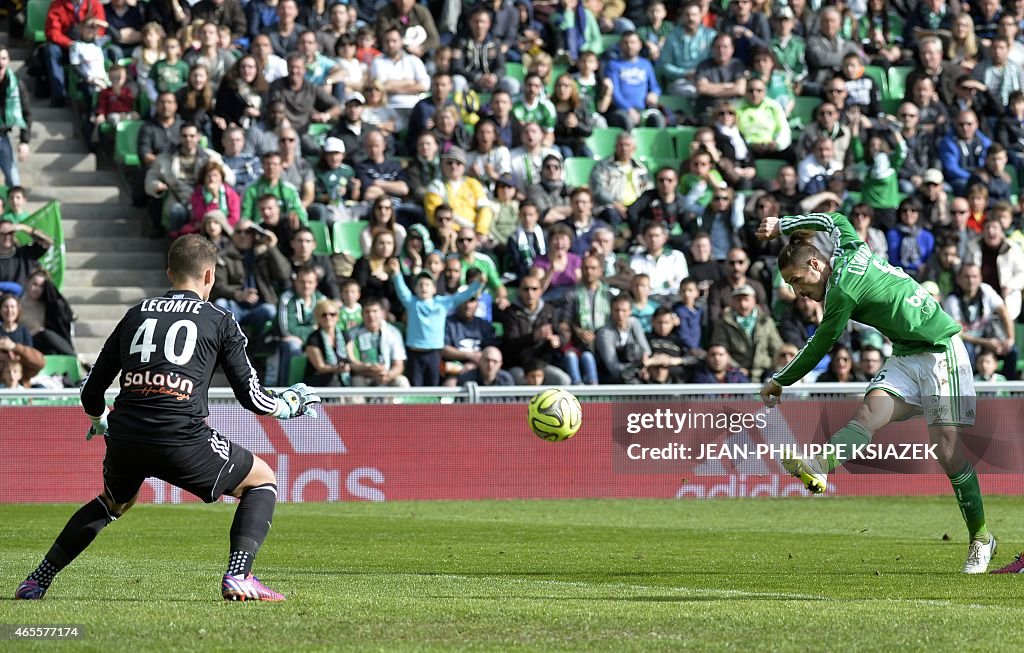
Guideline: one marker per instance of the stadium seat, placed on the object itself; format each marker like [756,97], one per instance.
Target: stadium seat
[804,109]
[297,369]
[556,71]
[345,237]
[878,74]
[654,165]
[35,20]
[323,239]
[126,143]
[577,171]
[897,86]
[515,70]
[63,365]
[602,141]
[610,41]
[654,142]
[682,136]
[891,105]
[318,132]
[768,169]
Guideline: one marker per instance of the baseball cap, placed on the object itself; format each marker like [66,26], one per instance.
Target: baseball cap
[505,180]
[455,154]
[933,176]
[744,291]
[784,13]
[355,97]
[334,144]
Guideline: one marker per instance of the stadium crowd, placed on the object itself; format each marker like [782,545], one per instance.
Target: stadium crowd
[563,192]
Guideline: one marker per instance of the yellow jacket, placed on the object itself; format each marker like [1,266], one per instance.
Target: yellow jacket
[469,201]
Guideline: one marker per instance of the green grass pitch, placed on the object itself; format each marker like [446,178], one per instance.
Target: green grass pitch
[725,575]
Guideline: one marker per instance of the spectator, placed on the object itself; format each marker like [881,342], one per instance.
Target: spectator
[942,266]
[304,102]
[962,151]
[664,266]
[690,318]
[703,269]
[378,114]
[660,204]
[64,20]
[327,362]
[173,177]
[722,219]
[488,372]
[582,221]
[355,72]
[534,108]
[666,364]
[731,155]
[501,111]
[211,193]
[921,155]
[376,350]
[195,100]
[284,33]
[272,66]
[270,219]
[575,29]
[827,48]
[421,118]
[622,349]
[46,315]
[382,216]
[1000,75]
[595,90]
[958,228]
[934,114]
[321,71]
[335,182]
[826,125]
[16,209]
[303,246]
[801,322]
[635,89]
[210,55]
[466,196]
[841,369]
[587,309]
[403,74]
[506,216]
[1009,130]
[762,121]
[910,244]
[1001,263]
[14,97]
[619,180]
[685,48]
[643,308]
[222,12]
[87,58]
[993,175]
[783,357]
[530,328]
[986,365]
[160,134]
[241,96]
[862,217]
[982,313]
[573,124]
[217,230]
[371,270]
[748,28]
[115,103]
[270,183]
[249,274]
[558,269]
[414,23]
[470,258]
[934,200]
[871,356]
[351,311]
[721,76]
[378,174]
[788,46]
[295,170]
[12,377]
[720,293]
[351,128]
[748,333]
[817,169]
[16,341]
[173,15]
[478,57]
[526,243]
[551,194]
[466,336]
[295,324]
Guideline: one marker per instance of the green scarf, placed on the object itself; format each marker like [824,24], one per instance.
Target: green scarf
[747,323]
[602,308]
[12,112]
[222,199]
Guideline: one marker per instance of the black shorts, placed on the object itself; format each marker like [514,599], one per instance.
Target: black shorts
[206,468]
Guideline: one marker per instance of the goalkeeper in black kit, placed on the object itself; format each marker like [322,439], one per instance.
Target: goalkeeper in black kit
[164,352]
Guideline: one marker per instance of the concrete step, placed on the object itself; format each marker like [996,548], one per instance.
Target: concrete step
[89,346]
[99,311]
[125,243]
[122,295]
[101,211]
[67,145]
[55,178]
[80,194]
[50,161]
[42,112]
[53,130]
[98,328]
[125,261]
[97,228]
[107,277]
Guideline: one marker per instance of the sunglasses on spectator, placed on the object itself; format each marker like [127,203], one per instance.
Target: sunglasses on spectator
[727,112]
[466,240]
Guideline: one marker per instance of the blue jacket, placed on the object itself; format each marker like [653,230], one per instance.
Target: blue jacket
[954,160]
[426,318]
[631,82]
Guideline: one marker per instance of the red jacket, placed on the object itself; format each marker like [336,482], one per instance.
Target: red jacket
[60,18]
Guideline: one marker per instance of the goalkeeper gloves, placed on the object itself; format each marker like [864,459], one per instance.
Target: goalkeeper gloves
[99,425]
[296,400]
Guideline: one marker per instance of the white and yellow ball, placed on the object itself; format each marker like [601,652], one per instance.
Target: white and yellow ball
[555,415]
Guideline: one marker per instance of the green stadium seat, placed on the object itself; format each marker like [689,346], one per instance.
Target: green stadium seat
[556,71]
[602,141]
[897,86]
[126,143]
[676,103]
[654,142]
[768,169]
[297,369]
[610,41]
[577,171]
[35,20]
[515,70]
[891,106]
[878,74]
[57,365]
[682,136]
[654,165]
[318,132]
[323,239]
[804,109]
[345,237]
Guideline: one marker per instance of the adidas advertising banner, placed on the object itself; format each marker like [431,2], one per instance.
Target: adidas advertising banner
[481,451]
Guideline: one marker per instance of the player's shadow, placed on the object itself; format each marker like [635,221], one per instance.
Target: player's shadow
[637,599]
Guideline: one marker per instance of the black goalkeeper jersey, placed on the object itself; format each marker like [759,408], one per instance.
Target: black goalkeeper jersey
[164,352]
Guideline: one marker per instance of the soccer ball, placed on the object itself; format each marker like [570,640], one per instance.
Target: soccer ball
[555,415]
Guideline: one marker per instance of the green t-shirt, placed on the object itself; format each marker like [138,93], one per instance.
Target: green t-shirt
[866,288]
[543,113]
[287,198]
[334,183]
[350,318]
[169,77]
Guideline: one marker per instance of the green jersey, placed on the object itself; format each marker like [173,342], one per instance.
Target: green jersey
[865,288]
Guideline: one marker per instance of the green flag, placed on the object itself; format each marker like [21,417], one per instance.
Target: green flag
[47,220]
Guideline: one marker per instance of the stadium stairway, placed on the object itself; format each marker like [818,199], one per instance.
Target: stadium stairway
[109,264]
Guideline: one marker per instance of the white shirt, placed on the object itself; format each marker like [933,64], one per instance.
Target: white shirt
[386,69]
[666,272]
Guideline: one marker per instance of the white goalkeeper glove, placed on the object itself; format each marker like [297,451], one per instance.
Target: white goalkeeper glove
[99,425]
[296,400]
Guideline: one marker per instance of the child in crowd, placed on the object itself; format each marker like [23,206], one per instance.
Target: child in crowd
[426,313]
[690,318]
[657,30]
[986,364]
[146,55]
[506,216]
[994,176]
[116,103]
[643,308]
[595,91]
[87,58]
[17,198]
[350,314]
[861,90]
[880,186]
[356,72]
[171,73]
[667,356]
[525,244]
[366,46]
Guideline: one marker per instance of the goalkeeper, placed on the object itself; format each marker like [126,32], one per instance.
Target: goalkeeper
[164,352]
[929,372]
